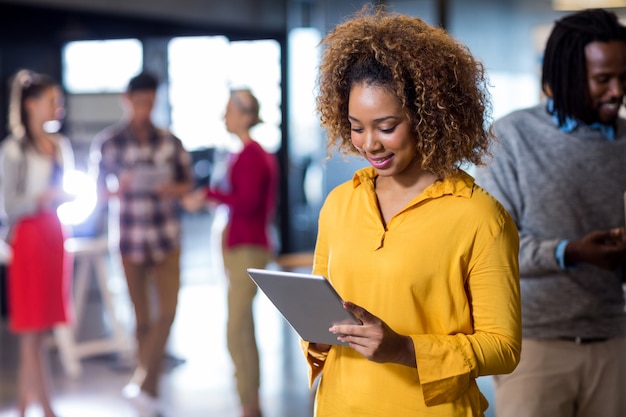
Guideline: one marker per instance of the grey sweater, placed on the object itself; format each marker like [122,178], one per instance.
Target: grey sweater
[560,186]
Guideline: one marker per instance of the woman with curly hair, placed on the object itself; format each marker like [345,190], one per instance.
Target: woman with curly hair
[426,259]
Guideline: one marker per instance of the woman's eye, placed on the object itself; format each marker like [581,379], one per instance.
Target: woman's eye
[357,129]
[388,130]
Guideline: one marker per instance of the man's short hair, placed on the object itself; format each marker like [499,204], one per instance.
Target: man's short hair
[144,81]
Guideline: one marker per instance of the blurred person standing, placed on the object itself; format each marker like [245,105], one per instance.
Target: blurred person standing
[250,195]
[559,170]
[153,171]
[34,158]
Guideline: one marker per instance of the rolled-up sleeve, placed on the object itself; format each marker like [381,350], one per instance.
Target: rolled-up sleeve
[447,363]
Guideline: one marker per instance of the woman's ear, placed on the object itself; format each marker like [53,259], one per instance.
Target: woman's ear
[29,104]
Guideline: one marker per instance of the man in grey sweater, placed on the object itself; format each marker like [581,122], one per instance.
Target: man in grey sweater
[560,170]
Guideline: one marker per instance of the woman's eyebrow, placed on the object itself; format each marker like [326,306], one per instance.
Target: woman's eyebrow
[380,119]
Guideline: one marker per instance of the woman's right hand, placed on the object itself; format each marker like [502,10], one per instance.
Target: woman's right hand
[194,200]
[53,197]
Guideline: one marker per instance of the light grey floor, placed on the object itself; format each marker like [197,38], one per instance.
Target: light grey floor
[203,384]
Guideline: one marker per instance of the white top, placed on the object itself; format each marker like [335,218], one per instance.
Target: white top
[18,203]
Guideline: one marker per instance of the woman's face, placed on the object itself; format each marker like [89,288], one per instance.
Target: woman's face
[237,121]
[232,116]
[380,130]
[48,106]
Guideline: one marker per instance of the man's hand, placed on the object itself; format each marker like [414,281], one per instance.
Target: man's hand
[604,248]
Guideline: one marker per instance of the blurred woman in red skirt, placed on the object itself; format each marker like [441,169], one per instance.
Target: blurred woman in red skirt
[33,158]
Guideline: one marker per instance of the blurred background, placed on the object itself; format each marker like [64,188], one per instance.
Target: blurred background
[200,49]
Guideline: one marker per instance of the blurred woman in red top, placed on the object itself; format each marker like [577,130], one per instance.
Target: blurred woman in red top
[251,202]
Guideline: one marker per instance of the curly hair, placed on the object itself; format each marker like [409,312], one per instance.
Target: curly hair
[439,85]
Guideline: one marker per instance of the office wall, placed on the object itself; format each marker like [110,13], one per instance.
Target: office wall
[245,14]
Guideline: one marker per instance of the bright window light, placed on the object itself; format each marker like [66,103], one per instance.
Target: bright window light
[101,66]
[203,69]
[264,81]
[304,57]
[198,90]
[83,188]
[513,91]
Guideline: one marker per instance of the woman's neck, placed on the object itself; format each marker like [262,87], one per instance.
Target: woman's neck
[42,141]
[414,184]
[244,137]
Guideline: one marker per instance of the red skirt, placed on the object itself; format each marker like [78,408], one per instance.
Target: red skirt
[39,275]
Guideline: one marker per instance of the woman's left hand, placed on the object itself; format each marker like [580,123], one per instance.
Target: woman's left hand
[374,339]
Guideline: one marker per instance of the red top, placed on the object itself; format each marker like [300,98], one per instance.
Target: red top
[251,201]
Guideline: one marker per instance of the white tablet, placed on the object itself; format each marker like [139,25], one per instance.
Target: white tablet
[147,178]
[308,302]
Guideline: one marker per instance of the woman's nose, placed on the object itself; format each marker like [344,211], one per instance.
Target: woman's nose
[370,141]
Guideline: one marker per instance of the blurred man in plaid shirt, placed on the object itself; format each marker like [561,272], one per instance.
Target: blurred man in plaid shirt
[150,171]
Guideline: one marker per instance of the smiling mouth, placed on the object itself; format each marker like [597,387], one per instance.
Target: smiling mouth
[611,108]
[380,162]
[612,105]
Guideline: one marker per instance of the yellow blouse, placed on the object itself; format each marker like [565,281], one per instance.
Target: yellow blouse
[445,272]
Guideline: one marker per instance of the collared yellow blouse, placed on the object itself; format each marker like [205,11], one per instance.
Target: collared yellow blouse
[443,271]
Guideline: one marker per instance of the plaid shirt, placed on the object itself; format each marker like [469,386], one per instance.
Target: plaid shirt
[149,222]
